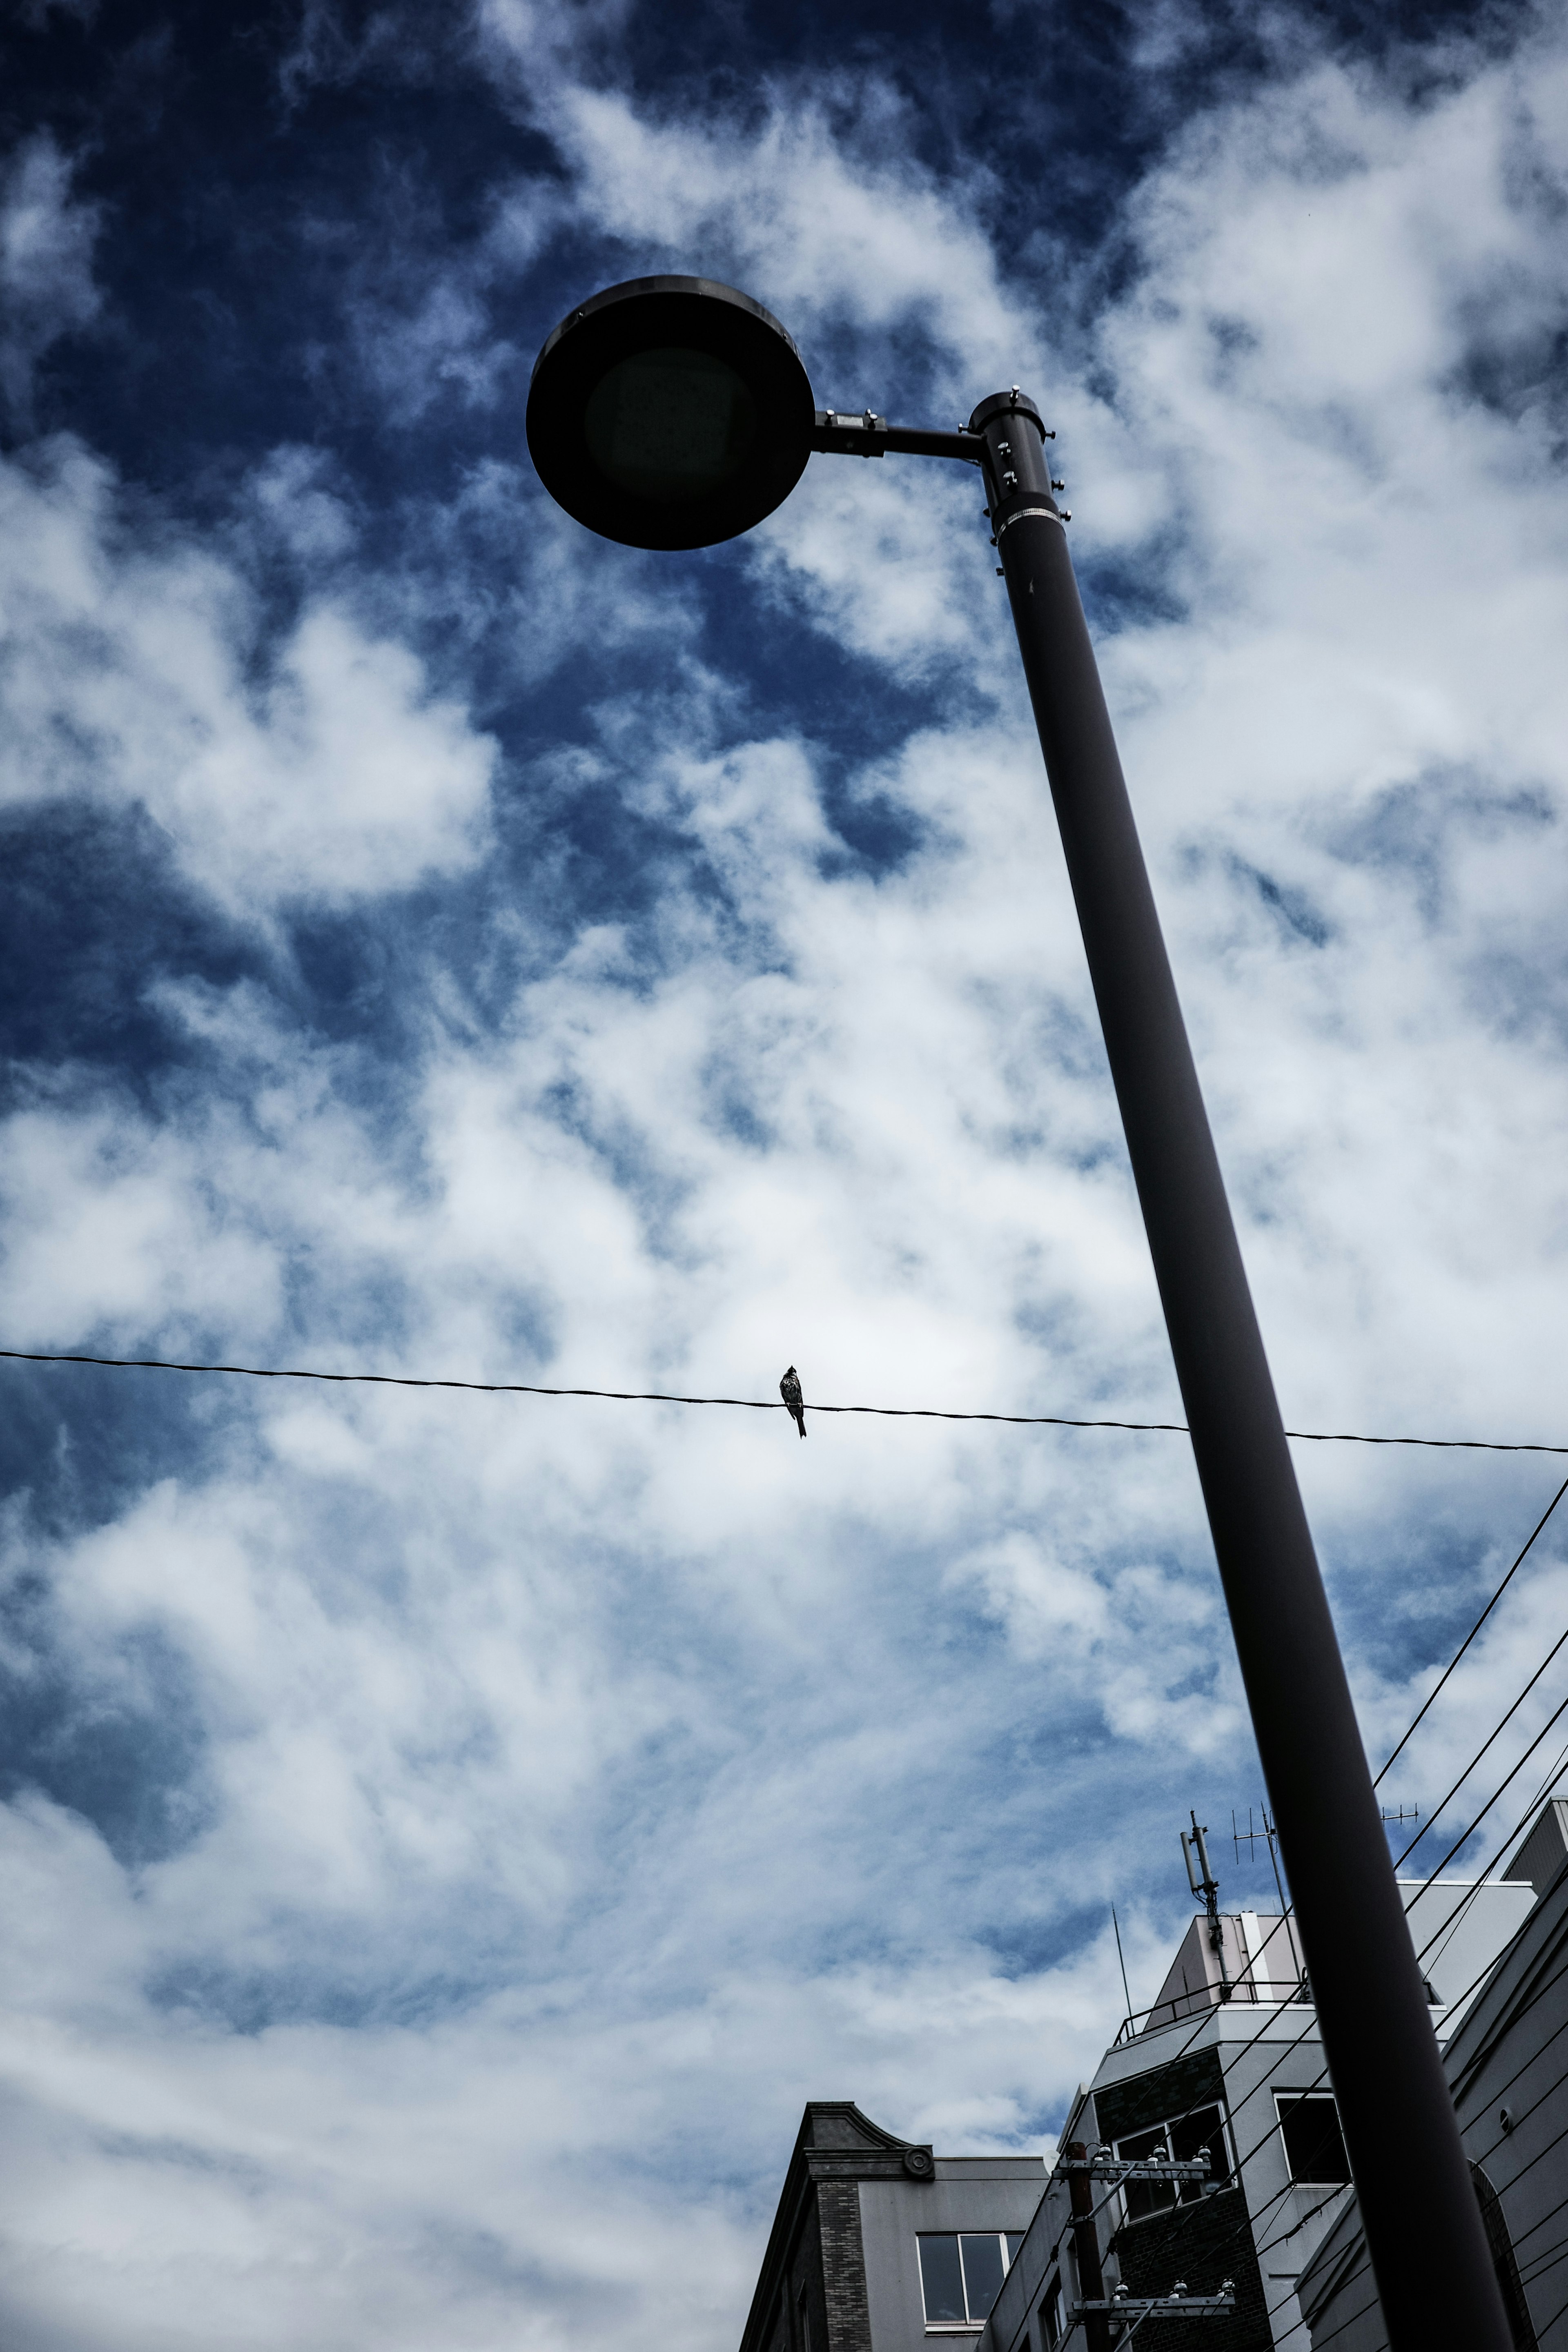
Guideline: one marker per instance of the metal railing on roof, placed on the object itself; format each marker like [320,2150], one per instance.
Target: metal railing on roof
[1202,1998]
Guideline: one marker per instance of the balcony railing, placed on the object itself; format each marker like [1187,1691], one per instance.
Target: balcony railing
[1246,1991]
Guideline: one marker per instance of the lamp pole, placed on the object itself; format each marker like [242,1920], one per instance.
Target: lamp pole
[676,413]
[1423,2223]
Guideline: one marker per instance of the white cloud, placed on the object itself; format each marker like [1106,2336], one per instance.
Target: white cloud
[125,680]
[47,285]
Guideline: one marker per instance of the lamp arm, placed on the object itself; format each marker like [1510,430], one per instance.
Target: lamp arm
[835,435]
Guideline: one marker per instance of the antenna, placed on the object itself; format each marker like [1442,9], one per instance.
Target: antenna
[1194,1880]
[1117,1925]
[1249,1837]
[1206,1890]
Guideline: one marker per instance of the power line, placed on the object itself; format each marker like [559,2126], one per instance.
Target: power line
[1538,2266]
[1524,2234]
[1535,2266]
[1251,2219]
[1437,1812]
[1500,2090]
[1486,1809]
[748,1404]
[1360,2313]
[1480,1620]
[1287,1909]
[1446,1927]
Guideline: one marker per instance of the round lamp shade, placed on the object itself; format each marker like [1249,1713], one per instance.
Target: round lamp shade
[669,412]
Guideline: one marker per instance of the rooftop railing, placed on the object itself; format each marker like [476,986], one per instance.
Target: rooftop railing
[1246,1991]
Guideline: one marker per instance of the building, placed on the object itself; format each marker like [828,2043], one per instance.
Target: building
[1227,2063]
[1506,2062]
[879,2244]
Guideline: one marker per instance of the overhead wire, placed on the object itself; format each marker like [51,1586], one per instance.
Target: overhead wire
[1500,2091]
[1474,1628]
[1499,1727]
[1464,1835]
[1248,2224]
[1550,2215]
[1448,1925]
[742,1404]
[755,1405]
[1445,1928]
[1254,2216]
[1288,1909]
[1535,2266]
[1530,2273]
[1250,2221]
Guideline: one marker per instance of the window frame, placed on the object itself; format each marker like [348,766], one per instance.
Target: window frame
[1180,2192]
[1286,2098]
[962,2326]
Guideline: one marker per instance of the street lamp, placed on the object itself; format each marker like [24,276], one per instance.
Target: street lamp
[674,413]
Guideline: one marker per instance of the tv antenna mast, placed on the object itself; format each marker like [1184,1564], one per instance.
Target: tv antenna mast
[1249,1837]
[1206,1890]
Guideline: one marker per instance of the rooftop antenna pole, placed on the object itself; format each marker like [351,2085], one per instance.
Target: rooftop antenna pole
[1115,1923]
[1206,1889]
[1270,1835]
[1274,1858]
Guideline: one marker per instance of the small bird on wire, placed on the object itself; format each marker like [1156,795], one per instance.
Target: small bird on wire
[790,1390]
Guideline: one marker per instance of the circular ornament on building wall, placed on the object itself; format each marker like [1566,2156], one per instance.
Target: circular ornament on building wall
[919,2163]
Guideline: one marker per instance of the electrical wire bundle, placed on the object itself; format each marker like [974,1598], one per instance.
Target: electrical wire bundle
[1538,2264]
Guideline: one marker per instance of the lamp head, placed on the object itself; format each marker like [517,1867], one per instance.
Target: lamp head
[669,412]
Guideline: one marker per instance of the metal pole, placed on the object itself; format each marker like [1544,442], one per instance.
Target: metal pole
[1422,2224]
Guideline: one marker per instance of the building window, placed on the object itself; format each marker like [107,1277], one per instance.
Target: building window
[1180,2141]
[1051,2316]
[1314,2144]
[962,2273]
[803,2309]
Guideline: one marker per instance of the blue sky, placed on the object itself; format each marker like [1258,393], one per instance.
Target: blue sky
[447,1839]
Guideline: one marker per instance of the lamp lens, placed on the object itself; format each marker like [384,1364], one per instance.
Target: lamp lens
[670,424]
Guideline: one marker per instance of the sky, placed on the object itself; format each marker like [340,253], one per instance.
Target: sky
[447,1838]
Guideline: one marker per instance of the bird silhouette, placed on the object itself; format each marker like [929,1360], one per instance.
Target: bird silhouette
[790,1390]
